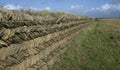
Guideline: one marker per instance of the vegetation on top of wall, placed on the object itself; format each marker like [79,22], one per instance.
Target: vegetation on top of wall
[25,15]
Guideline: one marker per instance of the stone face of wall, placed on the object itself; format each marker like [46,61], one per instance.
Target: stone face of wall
[33,45]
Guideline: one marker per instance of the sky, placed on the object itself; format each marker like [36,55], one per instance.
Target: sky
[92,8]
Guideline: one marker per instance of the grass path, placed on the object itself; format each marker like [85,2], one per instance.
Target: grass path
[97,48]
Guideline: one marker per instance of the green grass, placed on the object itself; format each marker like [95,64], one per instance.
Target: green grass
[97,48]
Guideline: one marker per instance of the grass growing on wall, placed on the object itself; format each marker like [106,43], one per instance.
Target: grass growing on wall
[97,48]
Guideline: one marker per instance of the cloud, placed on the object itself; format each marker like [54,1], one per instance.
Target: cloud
[106,7]
[12,7]
[105,10]
[17,7]
[48,8]
[75,7]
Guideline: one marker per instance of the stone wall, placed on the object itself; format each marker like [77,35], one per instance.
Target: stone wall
[35,45]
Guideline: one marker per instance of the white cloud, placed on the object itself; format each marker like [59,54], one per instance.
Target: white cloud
[12,7]
[17,7]
[48,8]
[106,7]
[105,10]
[75,7]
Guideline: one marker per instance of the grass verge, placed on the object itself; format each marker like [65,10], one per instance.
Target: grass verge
[97,48]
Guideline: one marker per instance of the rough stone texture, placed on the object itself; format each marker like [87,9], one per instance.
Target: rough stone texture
[35,45]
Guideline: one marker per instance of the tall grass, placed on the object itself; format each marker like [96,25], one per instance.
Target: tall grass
[97,48]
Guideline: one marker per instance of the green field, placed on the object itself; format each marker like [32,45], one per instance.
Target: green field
[96,48]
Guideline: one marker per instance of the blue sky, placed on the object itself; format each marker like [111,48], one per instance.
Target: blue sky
[93,8]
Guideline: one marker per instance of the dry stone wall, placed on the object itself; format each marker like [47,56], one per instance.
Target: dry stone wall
[36,45]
